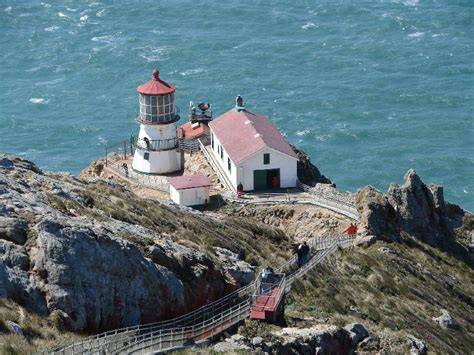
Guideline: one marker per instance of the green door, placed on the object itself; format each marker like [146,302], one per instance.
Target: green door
[259,179]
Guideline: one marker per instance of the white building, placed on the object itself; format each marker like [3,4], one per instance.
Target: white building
[157,144]
[251,151]
[189,190]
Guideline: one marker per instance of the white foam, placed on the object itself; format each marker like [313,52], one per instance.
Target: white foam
[100,13]
[8,9]
[46,5]
[52,28]
[84,18]
[302,133]
[308,26]
[38,100]
[71,10]
[49,83]
[416,34]
[410,2]
[192,71]
[60,14]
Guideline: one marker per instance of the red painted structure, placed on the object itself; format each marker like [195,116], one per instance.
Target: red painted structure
[269,298]
[156,86]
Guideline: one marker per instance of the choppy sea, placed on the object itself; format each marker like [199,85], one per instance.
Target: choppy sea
[367,88]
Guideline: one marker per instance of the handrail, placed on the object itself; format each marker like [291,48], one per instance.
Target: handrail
[217,169]
[204,322]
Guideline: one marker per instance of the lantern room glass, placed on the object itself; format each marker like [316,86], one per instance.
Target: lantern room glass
[157,108]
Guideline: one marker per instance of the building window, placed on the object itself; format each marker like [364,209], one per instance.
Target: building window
[146,156]
[212,140]
[229,165]
[266,158]
[222,153]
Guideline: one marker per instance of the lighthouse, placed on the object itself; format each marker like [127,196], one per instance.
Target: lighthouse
[157,150]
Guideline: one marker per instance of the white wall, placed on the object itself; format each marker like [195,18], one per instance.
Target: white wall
[286,164]
[157,131]
[159,162]
[190,197]
[244,171]
[223,162]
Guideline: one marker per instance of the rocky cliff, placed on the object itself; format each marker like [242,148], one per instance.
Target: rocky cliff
[101,258]
[414,208]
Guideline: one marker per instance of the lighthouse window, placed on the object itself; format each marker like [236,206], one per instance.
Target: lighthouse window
[229,165]
[146,156]
[222,153]
[212,140]
[266,158]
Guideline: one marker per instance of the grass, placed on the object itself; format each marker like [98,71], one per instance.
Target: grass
[392,294]
[40,332]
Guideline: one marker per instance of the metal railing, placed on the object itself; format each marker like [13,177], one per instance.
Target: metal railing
[158,144]
[198,325]
[217,168]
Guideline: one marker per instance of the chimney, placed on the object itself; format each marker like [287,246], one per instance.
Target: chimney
[239,103]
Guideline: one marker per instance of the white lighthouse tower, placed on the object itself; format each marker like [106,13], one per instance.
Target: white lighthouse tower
[157,144]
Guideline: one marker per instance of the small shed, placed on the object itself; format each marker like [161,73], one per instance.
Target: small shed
[189,190]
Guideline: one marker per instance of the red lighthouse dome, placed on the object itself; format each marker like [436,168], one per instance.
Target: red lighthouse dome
[156,86]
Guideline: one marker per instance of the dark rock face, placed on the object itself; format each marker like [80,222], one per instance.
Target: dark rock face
[308,173]
[98,272]
[414,208]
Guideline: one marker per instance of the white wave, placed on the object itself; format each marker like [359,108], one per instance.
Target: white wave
[308,26]
[8,9]
[94,4]
[60,14]
[192,71]
[302,133]
[71,10]
[106,38]
[52,28]
[100,13]
[49,83]
[39,100]
[416,34]
[84,18]
[152,54]
[45,5]
[410,2]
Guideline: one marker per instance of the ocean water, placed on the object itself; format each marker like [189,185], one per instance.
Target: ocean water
[368,88]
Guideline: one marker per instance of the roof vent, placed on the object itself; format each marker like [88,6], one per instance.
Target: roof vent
[248,122]
[239,103]
[258,135]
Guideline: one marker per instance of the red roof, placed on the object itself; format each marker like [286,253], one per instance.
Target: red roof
[189,181]
[156,86]
[245,133]
[187,130]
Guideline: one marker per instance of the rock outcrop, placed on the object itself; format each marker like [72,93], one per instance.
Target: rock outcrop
[313,340]
[308,173]
[63,251]
[413,208]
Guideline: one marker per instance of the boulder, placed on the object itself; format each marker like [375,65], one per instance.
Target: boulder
[13,229]
[445,320]
[357,332]
[417,346]
[241,272]
[14,328]
[365,241]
